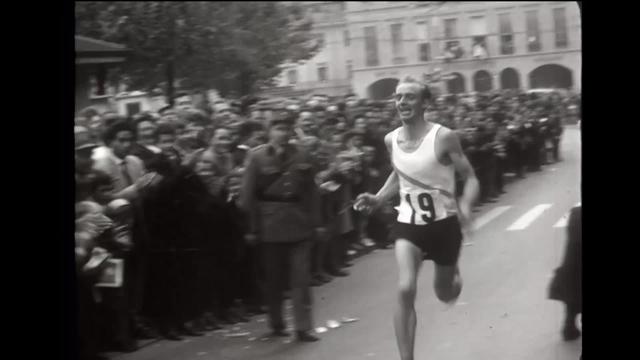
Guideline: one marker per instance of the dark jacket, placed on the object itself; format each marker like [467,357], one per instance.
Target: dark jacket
[280,197]
[566,285]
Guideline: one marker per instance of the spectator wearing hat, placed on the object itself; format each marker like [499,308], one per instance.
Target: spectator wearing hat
[279,195]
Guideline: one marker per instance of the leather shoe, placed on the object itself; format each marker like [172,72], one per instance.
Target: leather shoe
[305,336]
[171,335]
[324,277]
[228,319]
[189,331]
[339,273]
[280,333]
[570,333]
[127,346]
[210,323]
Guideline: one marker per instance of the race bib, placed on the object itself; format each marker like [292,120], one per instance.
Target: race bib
[420,208]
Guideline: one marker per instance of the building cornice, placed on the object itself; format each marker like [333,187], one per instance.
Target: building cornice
[466,61]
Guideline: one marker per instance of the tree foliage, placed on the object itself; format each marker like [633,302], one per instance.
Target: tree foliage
[230,46]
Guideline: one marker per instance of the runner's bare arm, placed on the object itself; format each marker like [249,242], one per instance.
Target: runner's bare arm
[367,201]
[392,185]
[463,167]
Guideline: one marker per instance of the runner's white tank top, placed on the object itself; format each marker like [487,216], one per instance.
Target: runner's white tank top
[427,188]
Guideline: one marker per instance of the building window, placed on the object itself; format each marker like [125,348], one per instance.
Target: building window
[98,83]
[452,48]
[133,108]
[450,28]
[349,69]
[323,71]
[425,51]
[506,35]
[560,28]
[478,30]
[396,39]
[347,38]
[292,76]
[371,46]
[422,31]
[533,31]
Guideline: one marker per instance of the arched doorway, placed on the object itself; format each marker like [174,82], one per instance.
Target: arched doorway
[551,76]
[509,79]
[382,89]
[482,81]
[455,85]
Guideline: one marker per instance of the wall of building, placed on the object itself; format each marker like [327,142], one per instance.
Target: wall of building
[523,61]
[358,14]
[83,99]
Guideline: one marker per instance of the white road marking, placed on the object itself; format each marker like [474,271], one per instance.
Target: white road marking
[525,220]
[488,217]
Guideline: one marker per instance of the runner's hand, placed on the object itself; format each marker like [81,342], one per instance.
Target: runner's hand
[366,203]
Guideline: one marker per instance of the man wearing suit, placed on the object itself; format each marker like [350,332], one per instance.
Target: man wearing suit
[280,197]
[129,181]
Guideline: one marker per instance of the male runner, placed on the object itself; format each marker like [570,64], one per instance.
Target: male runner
[425,157]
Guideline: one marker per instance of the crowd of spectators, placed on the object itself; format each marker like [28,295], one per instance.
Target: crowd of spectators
[158,191]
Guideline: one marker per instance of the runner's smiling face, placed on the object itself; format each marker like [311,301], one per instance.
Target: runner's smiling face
[409,102]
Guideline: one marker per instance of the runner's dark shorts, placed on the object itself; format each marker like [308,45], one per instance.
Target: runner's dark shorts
[439,241]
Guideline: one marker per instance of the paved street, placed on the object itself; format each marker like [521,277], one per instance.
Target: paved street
[503,312]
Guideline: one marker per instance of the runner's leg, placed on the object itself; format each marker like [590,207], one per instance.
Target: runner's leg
[409,258]
[447,283]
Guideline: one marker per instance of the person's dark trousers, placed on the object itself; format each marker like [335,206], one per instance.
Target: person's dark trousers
[118,319]
[224,293]
[318,254]
[254,291]
[556,148]
[135,273]
[87,321]
[515,156]
[136,267]
[571,313]
[333,253]
[334,248]
[490,174]
[499,179]
[480,170]
[161,302]
[345,242]
[282,261]
[377,229]
[248,283]
[534,156]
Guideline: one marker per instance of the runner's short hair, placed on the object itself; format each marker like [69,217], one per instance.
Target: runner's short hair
[426,93]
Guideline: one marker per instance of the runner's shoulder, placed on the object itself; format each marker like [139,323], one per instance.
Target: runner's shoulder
[389,138]
[447,135]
